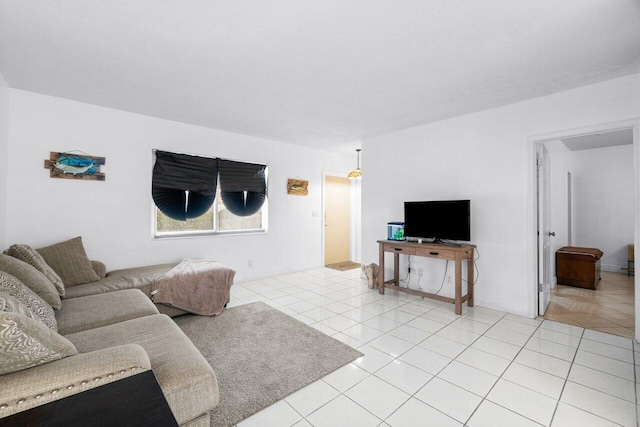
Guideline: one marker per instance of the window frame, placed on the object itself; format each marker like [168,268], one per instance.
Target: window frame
[216,217]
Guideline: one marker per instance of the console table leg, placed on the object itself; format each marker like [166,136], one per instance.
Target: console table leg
[396,269]
[470,280]
[381,270]
[458,299]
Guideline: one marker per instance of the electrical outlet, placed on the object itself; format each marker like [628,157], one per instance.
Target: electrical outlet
[449,279]
[250,263]
[419,272]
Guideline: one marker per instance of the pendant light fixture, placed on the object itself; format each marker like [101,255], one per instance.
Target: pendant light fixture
[356,173]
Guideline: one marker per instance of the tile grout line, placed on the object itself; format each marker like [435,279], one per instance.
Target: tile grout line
[398,307]
[500,377]
[635,377]
[413,396]
[373,374]
[566,380]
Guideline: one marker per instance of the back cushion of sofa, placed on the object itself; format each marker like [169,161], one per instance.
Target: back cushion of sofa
[69,260]
[34,279]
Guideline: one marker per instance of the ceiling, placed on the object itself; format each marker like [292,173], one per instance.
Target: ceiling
[599,140]
[319,73]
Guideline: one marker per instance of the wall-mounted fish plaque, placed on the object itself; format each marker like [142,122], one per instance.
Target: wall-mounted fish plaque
[75,166]
[297,187]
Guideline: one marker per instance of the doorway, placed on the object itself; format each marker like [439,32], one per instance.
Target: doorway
[573,218]
[337,215]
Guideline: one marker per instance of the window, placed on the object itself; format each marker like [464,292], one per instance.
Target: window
[198,195]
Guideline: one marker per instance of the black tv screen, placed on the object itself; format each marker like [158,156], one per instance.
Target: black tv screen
[438,220]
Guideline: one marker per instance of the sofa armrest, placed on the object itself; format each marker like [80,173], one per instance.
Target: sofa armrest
[42,384]
[99,268]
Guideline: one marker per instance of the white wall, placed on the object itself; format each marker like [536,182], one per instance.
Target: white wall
[489,158]
[4,143]
[604,202]
[115,217]
[561,165]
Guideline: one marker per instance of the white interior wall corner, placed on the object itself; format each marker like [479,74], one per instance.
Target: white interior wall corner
[4,147]
[488,157]
[636,190]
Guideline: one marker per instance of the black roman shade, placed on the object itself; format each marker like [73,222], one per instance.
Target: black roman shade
[243,186]
[183,186]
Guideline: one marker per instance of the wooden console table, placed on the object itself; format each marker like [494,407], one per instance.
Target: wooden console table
[429,250]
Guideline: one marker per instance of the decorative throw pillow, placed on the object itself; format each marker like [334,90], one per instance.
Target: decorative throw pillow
[34,279]
[12,305]
[30,256]
[99,268]
[69,260]
[13,287]
[25,342]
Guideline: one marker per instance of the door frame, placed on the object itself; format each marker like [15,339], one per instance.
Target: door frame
[323,212]
[570,208]
[532,238]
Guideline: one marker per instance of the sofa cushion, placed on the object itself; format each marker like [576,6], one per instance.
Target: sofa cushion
[42,311]
[30,276]
[186,379]
[99,268]
[93,311]
[30,256]
[69,260]
[142,278]
[26,342]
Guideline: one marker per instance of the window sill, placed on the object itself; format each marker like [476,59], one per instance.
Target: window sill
[183,235]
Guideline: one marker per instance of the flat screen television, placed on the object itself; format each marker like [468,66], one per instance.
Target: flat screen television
[438,220]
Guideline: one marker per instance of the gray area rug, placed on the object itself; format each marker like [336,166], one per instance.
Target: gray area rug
[261,355]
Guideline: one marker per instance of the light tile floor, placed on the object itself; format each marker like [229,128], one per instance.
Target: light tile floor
[425,366]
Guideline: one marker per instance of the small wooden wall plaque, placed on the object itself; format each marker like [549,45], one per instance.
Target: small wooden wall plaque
[75,166]
[297,187]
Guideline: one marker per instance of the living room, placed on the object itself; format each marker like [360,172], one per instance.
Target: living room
[68,81]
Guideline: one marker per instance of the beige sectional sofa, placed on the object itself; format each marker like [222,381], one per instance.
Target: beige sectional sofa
[117,332]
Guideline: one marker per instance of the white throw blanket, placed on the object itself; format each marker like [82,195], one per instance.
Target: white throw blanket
[197,286]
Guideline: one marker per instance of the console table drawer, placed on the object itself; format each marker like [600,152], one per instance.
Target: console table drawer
[406,250]
[436,253]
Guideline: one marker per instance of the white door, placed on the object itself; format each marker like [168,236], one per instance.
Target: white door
[544,229]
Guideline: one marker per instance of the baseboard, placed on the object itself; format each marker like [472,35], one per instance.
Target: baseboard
[243,279]
[612,268]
